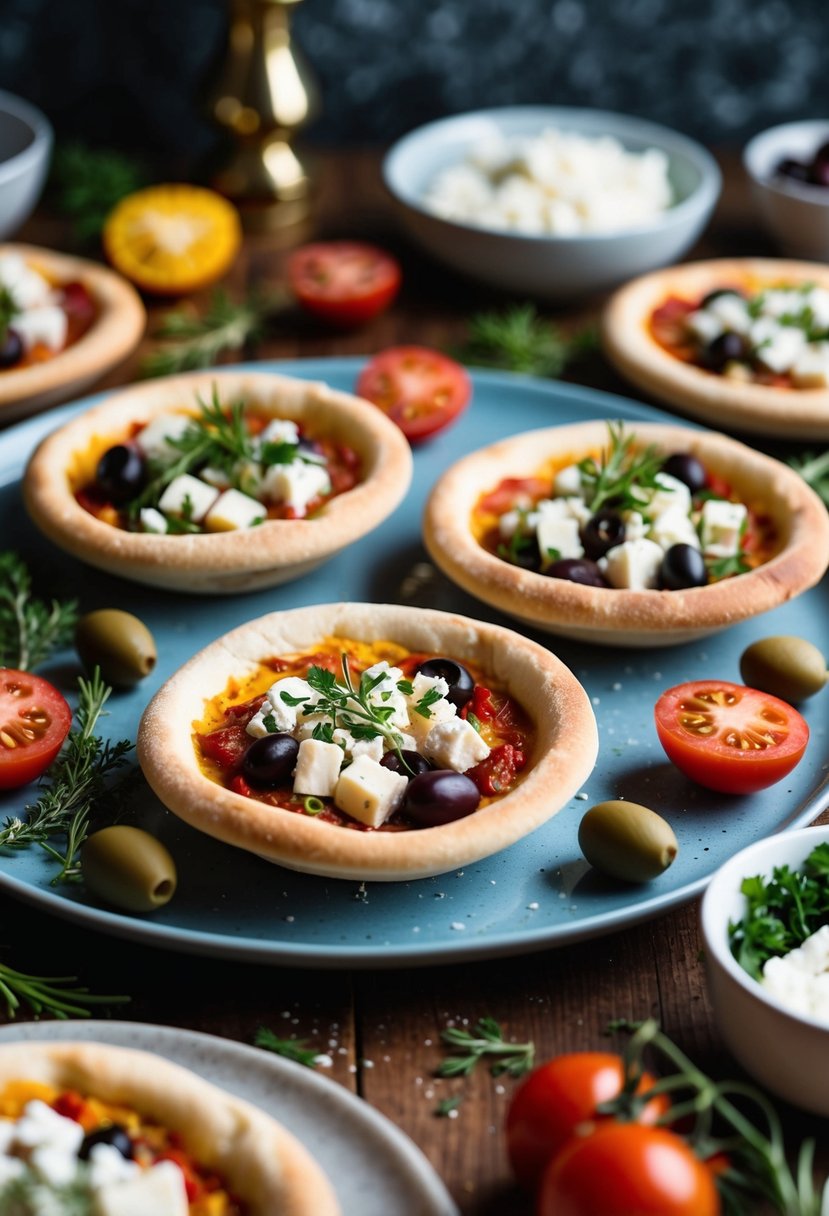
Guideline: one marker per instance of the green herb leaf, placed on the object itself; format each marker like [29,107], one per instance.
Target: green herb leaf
[292,1049]
[52,994]
[622,475]
[30,629]
[86,183]
[8,311]
[269,723]
[424,705]
[486,1039]
[781,912]
[191,342]
[814,470]
[445,1107]
[521,341]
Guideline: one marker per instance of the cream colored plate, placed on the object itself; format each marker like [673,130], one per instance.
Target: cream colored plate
[115,333]
[755,408]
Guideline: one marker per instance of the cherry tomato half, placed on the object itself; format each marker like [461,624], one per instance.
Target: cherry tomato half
[559,1097]
[420,389]
[34,721]
[730,738]
[344,282]
[625,1169]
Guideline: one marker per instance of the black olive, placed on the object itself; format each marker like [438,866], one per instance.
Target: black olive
[725,349]
[121,473]
[440,796]
[456,676]
[577,570]
[11,349]
[310,447]
[114,1134]
[687,469]
[605,530]
[270,760]
[682,567]
[795,170]
[718,295]
[412,765]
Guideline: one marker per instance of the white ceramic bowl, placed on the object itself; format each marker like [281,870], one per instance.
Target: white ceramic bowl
[25,147]
[784,1051]
[795,213]
[550,267]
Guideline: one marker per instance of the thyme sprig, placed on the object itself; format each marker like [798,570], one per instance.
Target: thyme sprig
[519,340]
[30,629]
[814,470]
[49,994]
[485,1039]
[75,784]
[621,473]
[292,1049]
[191,341]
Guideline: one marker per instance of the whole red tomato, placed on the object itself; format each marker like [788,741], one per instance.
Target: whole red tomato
[559,1097]
[626,1169]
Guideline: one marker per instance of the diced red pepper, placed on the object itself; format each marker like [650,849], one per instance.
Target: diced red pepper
[496,773]
[514,492]
[481,704]
[239,786]
[226,745]
[71,1105]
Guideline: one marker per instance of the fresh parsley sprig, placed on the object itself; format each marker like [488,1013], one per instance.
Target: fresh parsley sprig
[190,341]
[350,706]
[814,470]
[519,340]
[75,784]
[621,472]
[292,1049]
[486,1039]
[781,912]
[49,994]
[30,629]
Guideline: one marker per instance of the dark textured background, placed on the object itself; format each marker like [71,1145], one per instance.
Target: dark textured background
[133,72]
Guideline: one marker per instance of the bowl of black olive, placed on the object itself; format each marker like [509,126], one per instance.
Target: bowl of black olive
[788,168]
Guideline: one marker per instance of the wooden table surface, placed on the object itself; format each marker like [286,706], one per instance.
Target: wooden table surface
[386,1024]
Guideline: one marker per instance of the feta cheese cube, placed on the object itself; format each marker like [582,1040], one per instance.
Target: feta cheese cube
[633,565]
[372,748]
[159,1190]
[233,511]
[307,723]
[155,438]
[721,527]
[818,300]
[704,326]
[368,792]
[55,1166]
[673,527]
[455,744]
[671,494]
[317,768]
[557,531]
[152,520]
[215,477]
[421,722]
[279,430]
[43,326]
[249,475]
[732,312]
[296,484]
[811,369]
[519,520]
[635,525]
[283,692]
[106,1164]
[187,496]
[27,286]
[385,694]
[781,349]
[256,727]
[41,1125]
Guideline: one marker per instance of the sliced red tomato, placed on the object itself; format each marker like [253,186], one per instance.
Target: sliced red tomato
[515,492]
[559,1097]
[79,306]
[34,721]
[730,738]
[420,389]
[626,1169]
[496,773]
[344,282]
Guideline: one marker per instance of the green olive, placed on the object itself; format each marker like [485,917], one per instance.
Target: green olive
[118,643]
[128,868]
[787,667]
[627,841]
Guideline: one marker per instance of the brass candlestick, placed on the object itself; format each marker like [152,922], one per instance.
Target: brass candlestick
[265,95]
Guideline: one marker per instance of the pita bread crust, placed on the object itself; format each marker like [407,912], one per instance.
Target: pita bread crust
[260,1161]
[225,562]
[564,753]
[115,333]
[618,617]
[759,409]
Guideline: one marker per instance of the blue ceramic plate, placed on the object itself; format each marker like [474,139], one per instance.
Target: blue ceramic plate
[536,894]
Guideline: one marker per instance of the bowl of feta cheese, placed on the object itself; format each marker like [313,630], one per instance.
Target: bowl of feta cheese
[767,962]
[552,202]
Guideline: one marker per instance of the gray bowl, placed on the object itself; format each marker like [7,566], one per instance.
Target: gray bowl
[795,213]
[25,148]
[550,267]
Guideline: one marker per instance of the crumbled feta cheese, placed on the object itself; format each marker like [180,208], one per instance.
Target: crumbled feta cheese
[731,310]
[369,792]
[107,1164]
[53,1164]
[800,979]
[670,494]
[28,287]
[455,744]
[152,520]
[155,440]
[41,1125]
[233,511]
[188,497]
[557,530]
[279,430]
[635,525]
[721,527]
[296,484]
[385,694]
[633,565]
[215,477]
[777,346]
[44,326]
[422,720]
[518,520]
[704,325]
[673,527]
[811,369]
[159,1190]
[317,768]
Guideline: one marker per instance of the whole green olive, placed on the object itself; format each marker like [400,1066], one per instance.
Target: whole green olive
[117,642]
[128,868]
[627,841]
[787,667]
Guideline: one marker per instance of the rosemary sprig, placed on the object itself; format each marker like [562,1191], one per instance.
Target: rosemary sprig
[486,1039]
[620,472]
[30,629]
[8,311]
[49,994]
[519,340]
[350,706]
[74,785]
[86,183]
[192,342]
[447,1106]
[292,1049]
[814,470]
